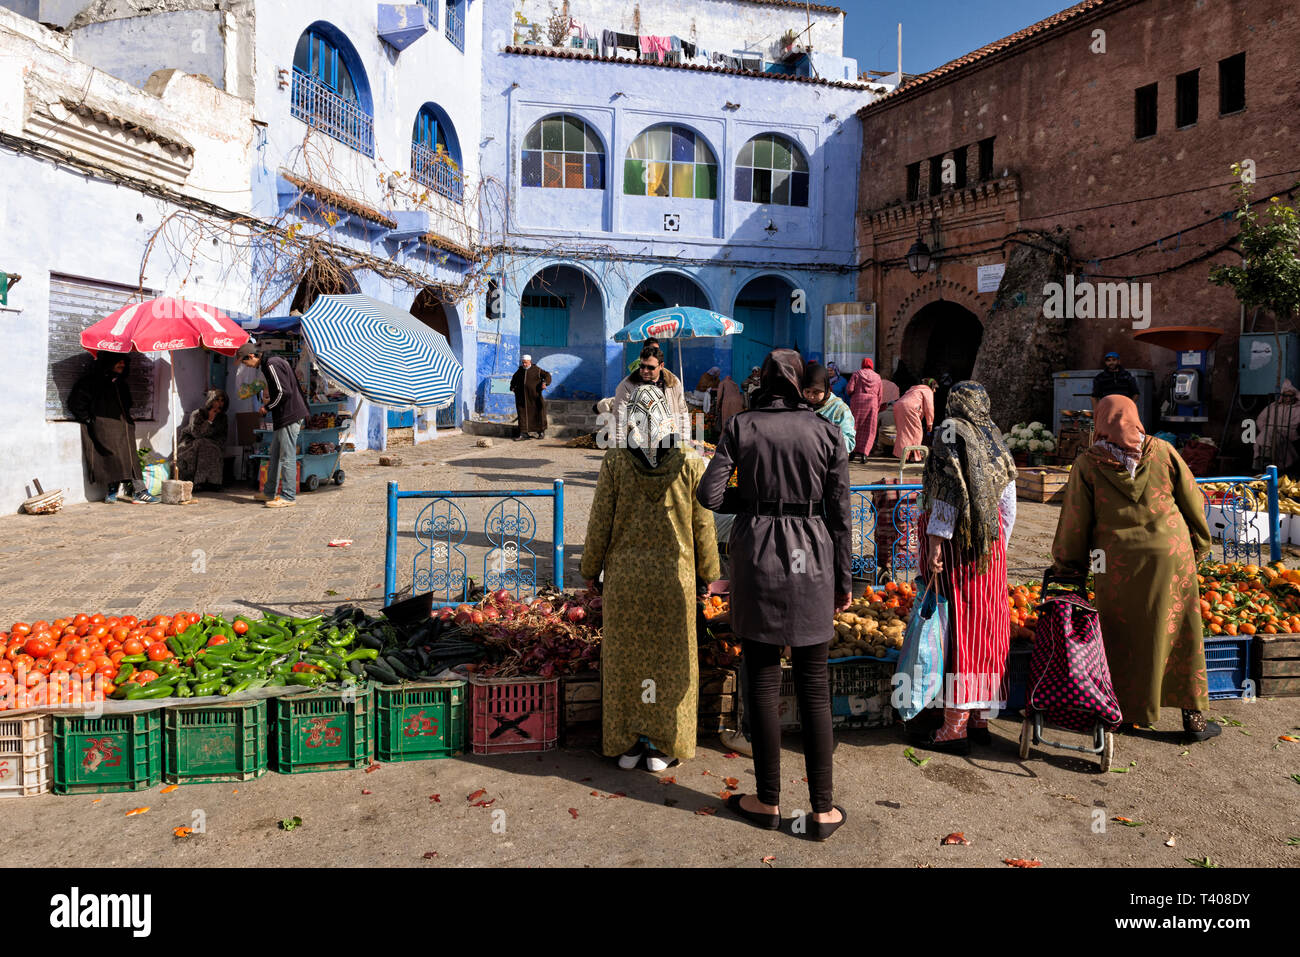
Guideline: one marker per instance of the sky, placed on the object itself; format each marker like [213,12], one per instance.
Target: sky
[934,31]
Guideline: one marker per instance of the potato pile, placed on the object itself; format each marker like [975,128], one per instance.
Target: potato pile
[866,628]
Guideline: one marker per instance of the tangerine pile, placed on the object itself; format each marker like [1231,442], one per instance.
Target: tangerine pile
[1249,599]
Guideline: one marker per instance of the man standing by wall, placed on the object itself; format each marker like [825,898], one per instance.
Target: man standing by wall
[288,408]
[527,384]
[1113,380]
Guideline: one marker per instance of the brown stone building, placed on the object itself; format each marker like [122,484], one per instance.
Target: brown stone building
[1097,142]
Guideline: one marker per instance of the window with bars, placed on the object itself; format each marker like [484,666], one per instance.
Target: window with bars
[455,29]
[772,169]
[435,154]
[325,93]
[1145,110]
[672,161]
[563,152]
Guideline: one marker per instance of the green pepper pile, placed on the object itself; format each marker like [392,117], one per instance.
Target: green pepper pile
[219,657]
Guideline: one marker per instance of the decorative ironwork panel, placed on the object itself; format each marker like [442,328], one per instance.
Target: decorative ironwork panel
[317,105]
[510,563]
[906,556]
[440,565]
[862,527]
[1240,529]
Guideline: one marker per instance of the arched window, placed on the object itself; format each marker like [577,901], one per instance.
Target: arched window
[772,169]
[435,153]
[330,90]
[563,152]
[670,160]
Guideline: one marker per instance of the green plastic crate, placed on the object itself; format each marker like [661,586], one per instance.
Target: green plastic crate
[214,743]
[119,752]
[420,720]
[322,731]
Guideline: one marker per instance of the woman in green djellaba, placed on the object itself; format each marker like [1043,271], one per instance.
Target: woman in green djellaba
[657,547]
[1132,504]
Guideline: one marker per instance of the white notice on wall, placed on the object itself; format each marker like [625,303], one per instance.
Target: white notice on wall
[988,278]
[850,333]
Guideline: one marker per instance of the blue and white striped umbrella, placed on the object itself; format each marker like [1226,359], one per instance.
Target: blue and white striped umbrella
[381,353]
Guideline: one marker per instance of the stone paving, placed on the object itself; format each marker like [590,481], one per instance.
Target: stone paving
[224,552]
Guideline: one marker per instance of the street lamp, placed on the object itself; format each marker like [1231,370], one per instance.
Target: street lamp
[918,257]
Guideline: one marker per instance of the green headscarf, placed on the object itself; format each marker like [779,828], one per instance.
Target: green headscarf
[968,468]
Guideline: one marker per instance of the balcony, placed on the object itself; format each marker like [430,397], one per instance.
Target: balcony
[431,8]
[437,171]
[321,108]
[455,26]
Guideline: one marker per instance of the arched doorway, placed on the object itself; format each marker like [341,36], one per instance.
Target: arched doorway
[562,326]
[661,291]
[941,342]
[763,307]
[324,277]
[430,310]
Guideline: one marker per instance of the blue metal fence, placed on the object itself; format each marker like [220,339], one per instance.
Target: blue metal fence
[1235,520]
[455,25]
[892,550]
[441,564]
[437,171]
[317,105]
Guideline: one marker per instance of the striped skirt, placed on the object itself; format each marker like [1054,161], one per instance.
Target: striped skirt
[979,624]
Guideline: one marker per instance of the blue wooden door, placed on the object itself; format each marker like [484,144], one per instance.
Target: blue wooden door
[750,348]
[401,420]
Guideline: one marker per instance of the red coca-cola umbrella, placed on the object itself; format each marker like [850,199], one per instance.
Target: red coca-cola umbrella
[165,325]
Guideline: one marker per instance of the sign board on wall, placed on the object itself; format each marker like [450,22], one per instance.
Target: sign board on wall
[850,333]
[988,278]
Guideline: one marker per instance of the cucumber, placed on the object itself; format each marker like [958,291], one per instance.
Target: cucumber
[381,672]
[397,666]
[357,668]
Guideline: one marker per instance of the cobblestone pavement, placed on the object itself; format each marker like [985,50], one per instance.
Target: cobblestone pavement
[226,553]
[1231,799]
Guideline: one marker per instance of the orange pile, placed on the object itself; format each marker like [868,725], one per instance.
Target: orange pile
[895,596]
[1249,599]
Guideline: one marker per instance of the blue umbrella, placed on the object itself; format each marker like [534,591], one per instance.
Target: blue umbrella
[679,322]
[381,353]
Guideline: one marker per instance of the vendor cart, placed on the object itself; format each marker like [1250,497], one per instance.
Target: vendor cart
[325,424]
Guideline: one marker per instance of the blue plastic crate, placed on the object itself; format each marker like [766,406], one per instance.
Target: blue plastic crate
[1227,665]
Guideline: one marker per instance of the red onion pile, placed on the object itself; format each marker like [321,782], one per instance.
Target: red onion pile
[552,634]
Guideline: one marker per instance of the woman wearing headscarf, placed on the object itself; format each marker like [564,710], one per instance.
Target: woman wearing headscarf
[913,418]
[751,384]
[709,380]
[657,548]
[1132,503]
[101,401]
[863,391]
[837,382]
[817,393]
[790,571]
[1276,431]
[969,490]
[730,401]
[203,442]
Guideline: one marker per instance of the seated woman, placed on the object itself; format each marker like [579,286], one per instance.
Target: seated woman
[203,443]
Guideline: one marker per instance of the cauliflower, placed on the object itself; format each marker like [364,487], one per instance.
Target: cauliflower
[1035,445]
[1049,445]
[1037,426]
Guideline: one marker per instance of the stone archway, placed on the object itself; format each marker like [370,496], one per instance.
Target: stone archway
[941,341]
[945,290]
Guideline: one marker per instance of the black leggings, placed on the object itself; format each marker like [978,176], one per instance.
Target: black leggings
[812,685]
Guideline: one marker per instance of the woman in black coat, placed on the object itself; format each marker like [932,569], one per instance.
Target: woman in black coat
[101,402]
[790,571]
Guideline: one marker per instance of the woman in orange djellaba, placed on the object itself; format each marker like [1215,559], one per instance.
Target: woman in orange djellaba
[1132,502]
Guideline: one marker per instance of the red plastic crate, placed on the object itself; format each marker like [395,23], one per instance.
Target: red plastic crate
[514,714]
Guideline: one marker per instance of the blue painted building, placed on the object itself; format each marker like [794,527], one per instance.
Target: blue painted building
[634,184]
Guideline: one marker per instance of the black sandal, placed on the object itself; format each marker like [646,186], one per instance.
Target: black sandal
[768,822]
[958,746]
[821,831]
[981,736]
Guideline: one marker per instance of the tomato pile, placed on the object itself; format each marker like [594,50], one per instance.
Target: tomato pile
[894,596]
[73,660]
[1249,599]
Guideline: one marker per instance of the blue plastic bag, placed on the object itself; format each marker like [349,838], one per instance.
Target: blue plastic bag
[919,677]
